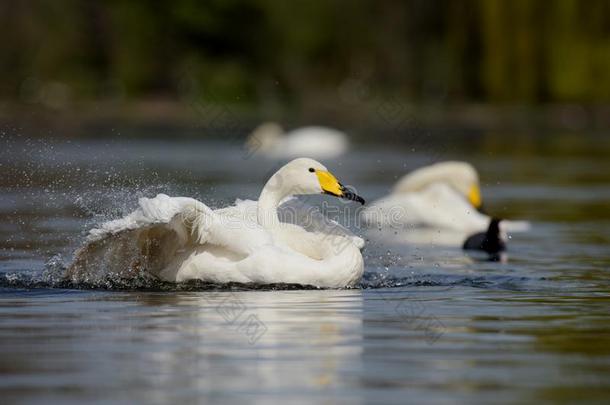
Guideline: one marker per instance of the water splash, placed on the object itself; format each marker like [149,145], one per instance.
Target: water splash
[53,276]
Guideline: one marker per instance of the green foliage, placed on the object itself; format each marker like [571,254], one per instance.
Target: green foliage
[500,51]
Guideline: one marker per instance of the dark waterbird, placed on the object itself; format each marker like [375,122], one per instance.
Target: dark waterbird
[489,241]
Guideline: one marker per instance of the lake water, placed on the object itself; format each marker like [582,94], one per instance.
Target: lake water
[427,325]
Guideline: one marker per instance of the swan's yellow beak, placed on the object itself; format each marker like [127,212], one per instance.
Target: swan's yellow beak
[330,185]
[474,196]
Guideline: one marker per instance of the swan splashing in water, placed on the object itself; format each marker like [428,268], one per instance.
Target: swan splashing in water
[180,238]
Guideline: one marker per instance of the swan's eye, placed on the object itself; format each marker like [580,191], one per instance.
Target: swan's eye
[311,169]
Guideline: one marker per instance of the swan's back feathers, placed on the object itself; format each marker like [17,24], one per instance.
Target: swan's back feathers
[292,211]
[460,175]
[437,206]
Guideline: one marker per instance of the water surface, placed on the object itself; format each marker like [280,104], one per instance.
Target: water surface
[427,325]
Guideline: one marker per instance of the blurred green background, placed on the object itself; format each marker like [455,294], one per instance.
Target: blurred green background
[463,63]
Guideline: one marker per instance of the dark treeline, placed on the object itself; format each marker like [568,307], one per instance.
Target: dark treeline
[500,51]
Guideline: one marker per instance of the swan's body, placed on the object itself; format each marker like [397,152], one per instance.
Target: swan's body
[318,142]
[178,239]
[441,199]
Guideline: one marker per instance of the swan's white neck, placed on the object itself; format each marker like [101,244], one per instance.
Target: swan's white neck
[271,196]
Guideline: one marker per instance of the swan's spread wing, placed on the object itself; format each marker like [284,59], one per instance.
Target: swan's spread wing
[294,211]
[154,211]
[159,234]
[148,238]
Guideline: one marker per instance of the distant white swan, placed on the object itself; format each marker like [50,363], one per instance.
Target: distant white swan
[270,140]
[180,238]
[441,197]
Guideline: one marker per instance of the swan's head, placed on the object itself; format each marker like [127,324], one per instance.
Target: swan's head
[307,176]
[461,176]
[264,137]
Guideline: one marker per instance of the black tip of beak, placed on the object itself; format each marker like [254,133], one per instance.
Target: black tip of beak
[350,195]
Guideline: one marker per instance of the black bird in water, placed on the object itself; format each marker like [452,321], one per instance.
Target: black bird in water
[490,241]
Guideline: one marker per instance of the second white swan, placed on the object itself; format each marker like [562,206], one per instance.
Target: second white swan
[439,203]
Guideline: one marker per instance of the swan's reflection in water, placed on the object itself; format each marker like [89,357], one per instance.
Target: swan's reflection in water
[267,344]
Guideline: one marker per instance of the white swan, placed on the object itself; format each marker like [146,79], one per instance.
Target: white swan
[270,140]
[180,238]
[441,197]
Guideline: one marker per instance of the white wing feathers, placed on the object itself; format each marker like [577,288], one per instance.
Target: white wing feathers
[158,232]
[189,218]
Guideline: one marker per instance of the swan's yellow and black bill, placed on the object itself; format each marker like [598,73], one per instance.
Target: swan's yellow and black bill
[330,185]
[474,196]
